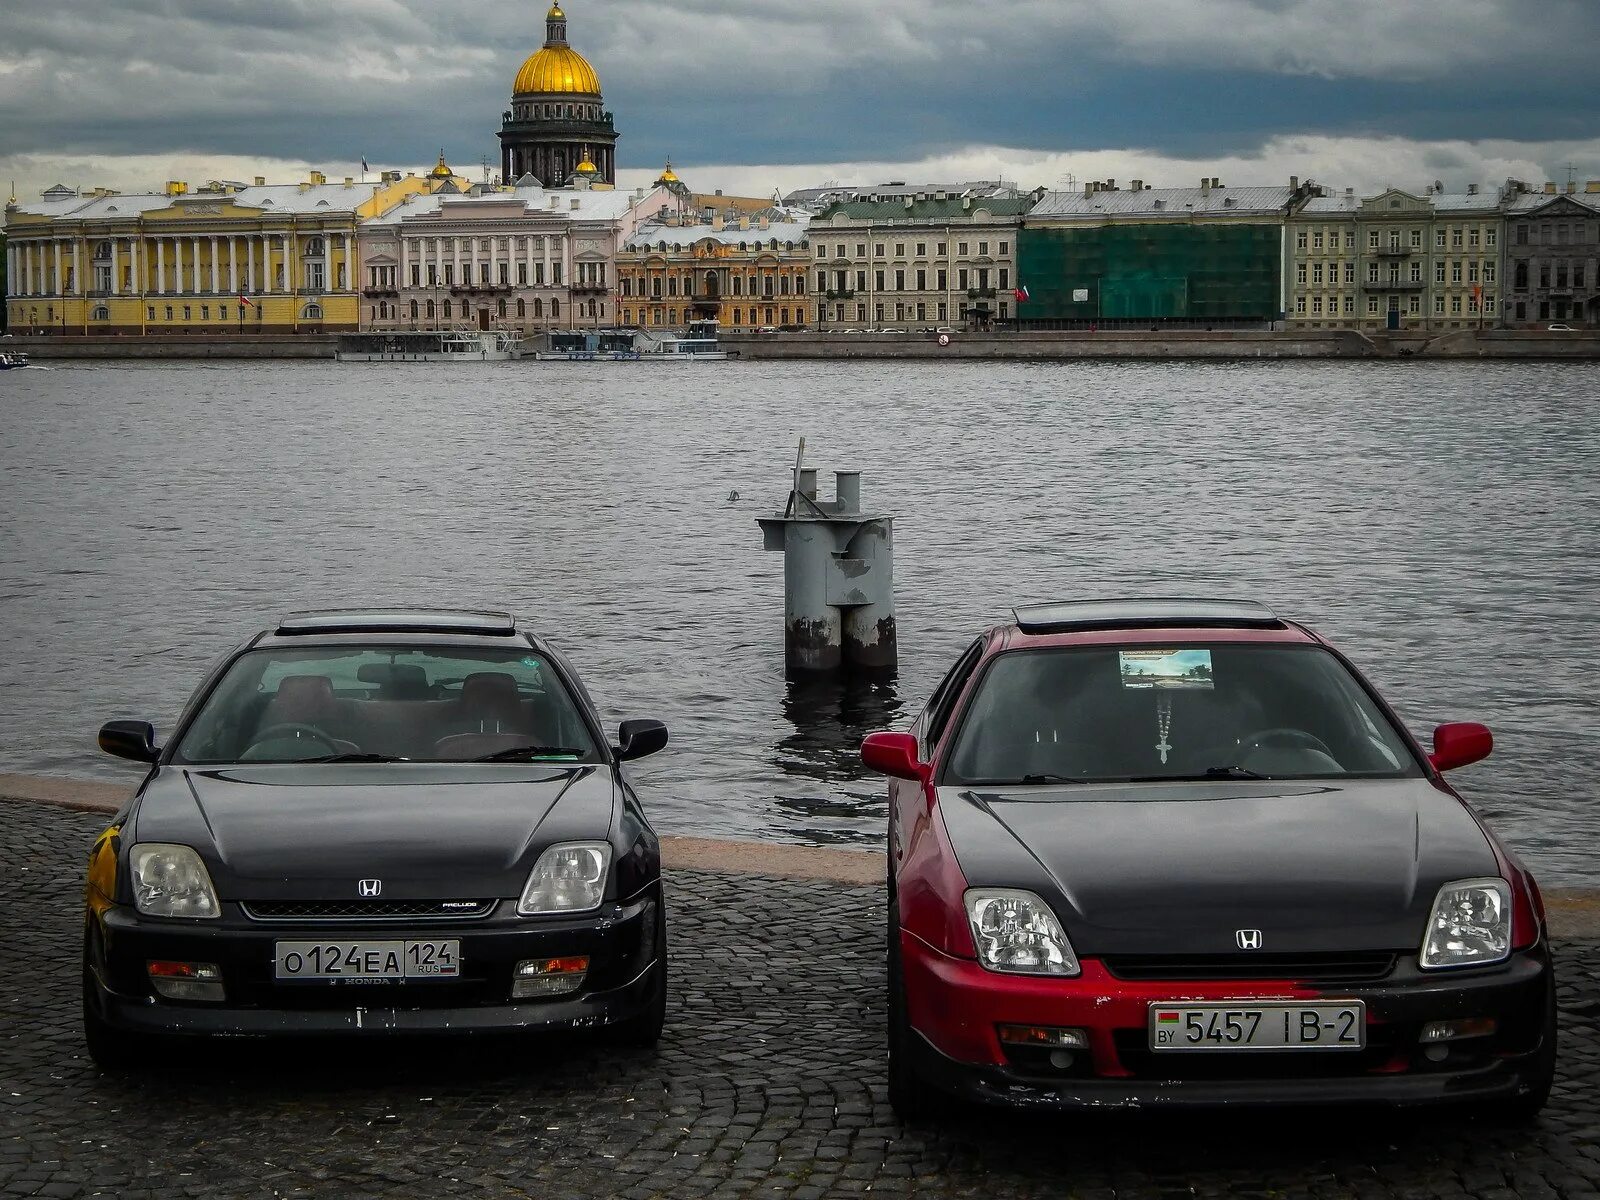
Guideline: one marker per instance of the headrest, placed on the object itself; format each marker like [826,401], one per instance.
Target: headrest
[306,693]
[489,689]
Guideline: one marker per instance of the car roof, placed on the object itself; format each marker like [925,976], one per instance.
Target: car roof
[1148,619]
[394,625]
[398,620]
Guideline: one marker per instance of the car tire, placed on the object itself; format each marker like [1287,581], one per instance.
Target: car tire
[912,1099]
[643,1030]
[111,1049]
[1520,1110]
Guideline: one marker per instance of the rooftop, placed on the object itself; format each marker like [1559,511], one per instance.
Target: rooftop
[785,233]
[1163,202]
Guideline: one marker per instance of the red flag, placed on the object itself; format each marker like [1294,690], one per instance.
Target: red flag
[242,300]
[1021,293]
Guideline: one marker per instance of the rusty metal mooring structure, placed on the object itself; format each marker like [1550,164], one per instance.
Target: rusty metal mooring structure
[838,576]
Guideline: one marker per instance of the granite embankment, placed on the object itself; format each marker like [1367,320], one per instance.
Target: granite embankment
[1045,345]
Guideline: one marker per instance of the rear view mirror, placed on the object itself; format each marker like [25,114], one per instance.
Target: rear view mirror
[637,738]
[892,754]
[130,739]
[1460,743]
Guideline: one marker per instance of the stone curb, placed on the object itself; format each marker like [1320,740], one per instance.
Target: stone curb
[1574,913]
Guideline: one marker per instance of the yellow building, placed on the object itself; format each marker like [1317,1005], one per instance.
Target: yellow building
[222,258]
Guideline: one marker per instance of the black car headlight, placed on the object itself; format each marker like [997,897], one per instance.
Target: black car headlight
[171,881]
[1470,925]
[569,877]
[1016,932]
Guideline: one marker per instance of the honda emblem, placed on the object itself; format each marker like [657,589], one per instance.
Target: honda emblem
[1248,939]
[368,888]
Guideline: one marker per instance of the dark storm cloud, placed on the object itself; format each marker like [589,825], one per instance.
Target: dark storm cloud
[827,80]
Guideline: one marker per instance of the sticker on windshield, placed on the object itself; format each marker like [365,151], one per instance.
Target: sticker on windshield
[1165,668]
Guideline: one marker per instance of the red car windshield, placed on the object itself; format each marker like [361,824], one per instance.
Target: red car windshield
[1181,711]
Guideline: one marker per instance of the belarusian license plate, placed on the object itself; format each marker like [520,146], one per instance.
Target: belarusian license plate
[1268,1025]
[369,960]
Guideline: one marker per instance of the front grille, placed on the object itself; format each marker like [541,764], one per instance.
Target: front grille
[1361,967]
[367,910]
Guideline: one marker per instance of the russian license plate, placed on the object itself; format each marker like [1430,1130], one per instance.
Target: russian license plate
[1268,1025]
[369,960]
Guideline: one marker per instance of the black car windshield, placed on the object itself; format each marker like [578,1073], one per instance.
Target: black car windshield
[1225,710]
[350,703]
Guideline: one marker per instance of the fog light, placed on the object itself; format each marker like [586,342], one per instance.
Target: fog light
[1454,1031]
[535,978]
[1044,1035]
[186,980]
[1061,1059]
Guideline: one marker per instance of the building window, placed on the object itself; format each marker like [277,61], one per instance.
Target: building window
[1414,306]
[1350,305]
[1438,306]
[1416,272]
[150,312]
[1372,239]
[447,310]
[102,313]
[899,249]
[1316,306]
[1316,240]
[169,312]
[1300,306]
[877,250]
[205,312]
[1350,272]
[861,249]
[1438,271]
[1455,271]
[311,312]
[1372,306]
[1439,238]
[1472,238]
[1416,239]
[186,313]
[1491,237]
[1316,272]
[961,249]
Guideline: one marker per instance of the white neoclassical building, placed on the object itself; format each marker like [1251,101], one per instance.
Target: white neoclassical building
[523,258]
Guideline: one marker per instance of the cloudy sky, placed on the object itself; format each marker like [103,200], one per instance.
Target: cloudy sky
[752,95]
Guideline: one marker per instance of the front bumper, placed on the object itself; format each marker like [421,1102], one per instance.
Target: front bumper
[620,941]
[954,1007]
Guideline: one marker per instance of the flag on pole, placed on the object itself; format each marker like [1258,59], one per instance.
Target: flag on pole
[1021,293]
[244,301]
[364,167]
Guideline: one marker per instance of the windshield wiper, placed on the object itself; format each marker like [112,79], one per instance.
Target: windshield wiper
[1050,779]
[1208,773]
[512,752]
[353,757]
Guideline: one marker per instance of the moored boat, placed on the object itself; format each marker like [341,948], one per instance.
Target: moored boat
[435,345]
[12,360]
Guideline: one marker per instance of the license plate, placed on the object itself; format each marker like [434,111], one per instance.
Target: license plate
[369,960]
[1258,1026]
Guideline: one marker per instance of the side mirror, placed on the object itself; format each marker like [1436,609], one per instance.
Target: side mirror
[635,739]
[1460,743]
[893,754]
[130,739]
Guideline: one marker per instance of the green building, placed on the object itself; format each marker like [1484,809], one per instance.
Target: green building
[1194,256]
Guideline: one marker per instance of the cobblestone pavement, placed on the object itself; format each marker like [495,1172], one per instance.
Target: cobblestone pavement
[769,1083]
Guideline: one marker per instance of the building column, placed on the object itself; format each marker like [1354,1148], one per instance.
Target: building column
[291,246]
[455,260]
[216,280]
[250,263]
[78,288]
[13,280]
[161,266]
[544,250]
[61,275]
[233,264]
[194,272]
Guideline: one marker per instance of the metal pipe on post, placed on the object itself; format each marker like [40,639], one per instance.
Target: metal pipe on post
[838,577]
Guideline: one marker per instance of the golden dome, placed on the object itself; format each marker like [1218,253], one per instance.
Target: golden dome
[555,13]
[586,167]
[441,171]
[669,175]
[556,70]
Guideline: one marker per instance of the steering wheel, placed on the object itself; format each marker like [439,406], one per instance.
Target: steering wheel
[296,729]
[1284,737]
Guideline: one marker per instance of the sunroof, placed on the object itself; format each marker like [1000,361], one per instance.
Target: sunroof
[399,620]
[1156,612]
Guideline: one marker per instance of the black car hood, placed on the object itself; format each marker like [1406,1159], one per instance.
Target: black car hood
[428,831]
[1177,868]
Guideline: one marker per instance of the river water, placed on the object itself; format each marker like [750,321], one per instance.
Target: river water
[1441,521]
